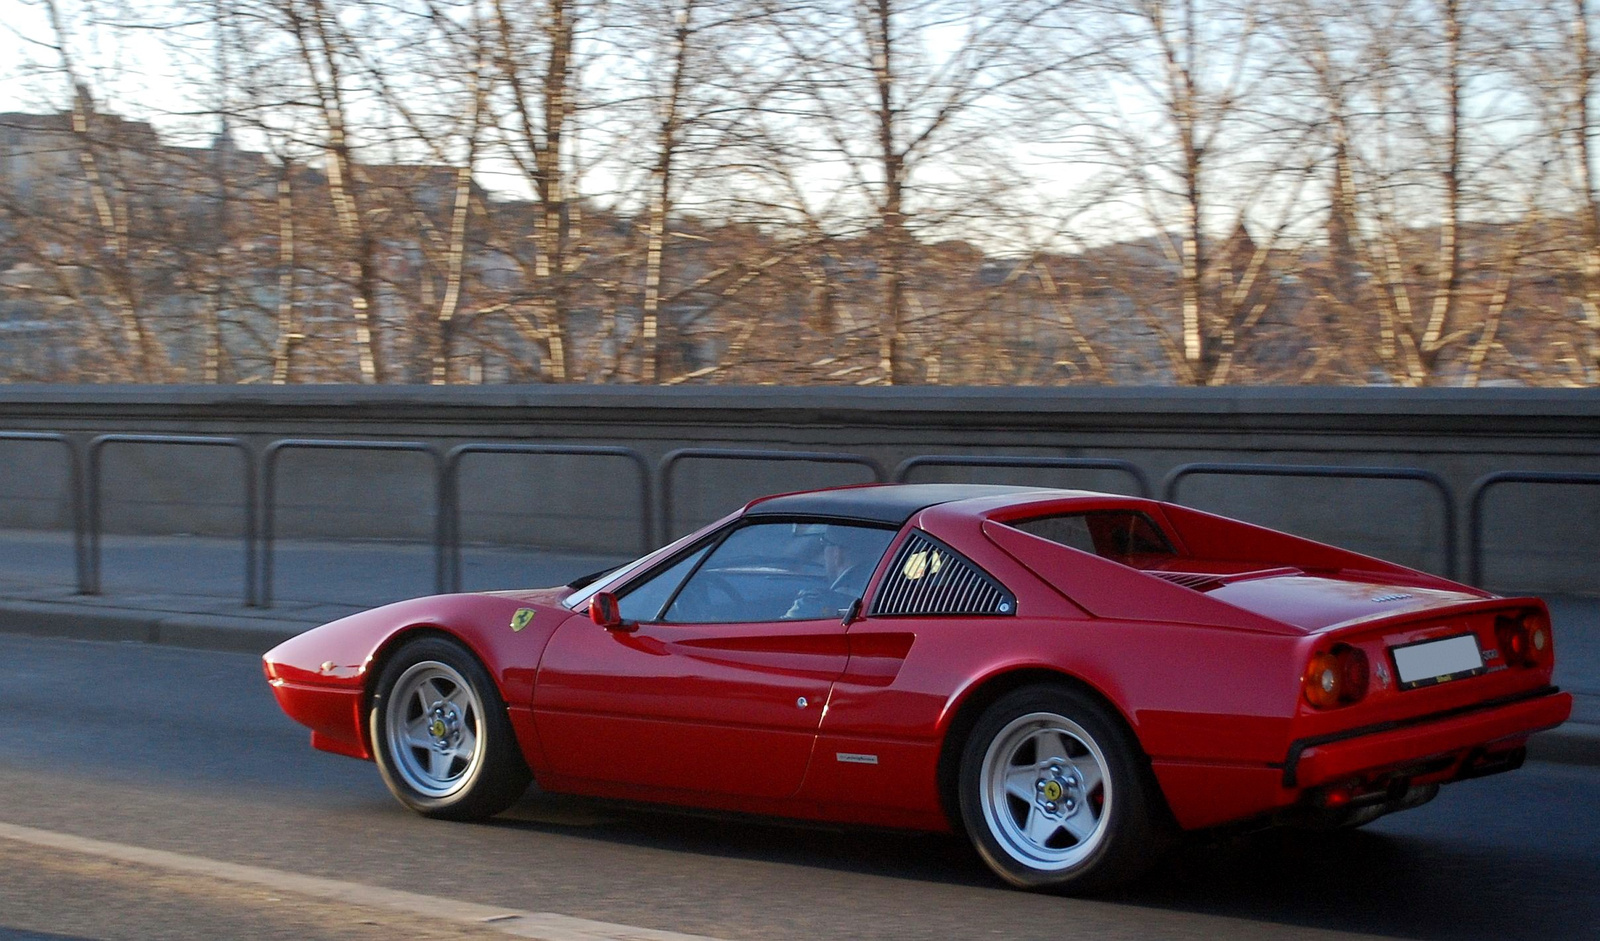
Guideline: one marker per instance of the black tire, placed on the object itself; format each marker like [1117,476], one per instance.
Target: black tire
[441,736]
[1056,794]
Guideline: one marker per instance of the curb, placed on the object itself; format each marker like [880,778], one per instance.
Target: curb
[127,625]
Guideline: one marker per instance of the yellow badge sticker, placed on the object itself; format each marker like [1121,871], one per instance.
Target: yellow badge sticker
[918,564]
[521,619]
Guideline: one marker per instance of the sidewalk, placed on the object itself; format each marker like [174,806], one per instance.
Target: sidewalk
[188,591]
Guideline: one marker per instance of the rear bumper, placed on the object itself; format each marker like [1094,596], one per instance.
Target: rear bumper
[1319,760]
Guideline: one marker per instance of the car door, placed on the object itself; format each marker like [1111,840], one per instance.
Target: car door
[720,686]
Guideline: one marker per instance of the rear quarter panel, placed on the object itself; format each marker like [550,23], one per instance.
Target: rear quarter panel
[1190,694]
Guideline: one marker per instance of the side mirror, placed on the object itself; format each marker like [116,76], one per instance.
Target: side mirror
[606,612]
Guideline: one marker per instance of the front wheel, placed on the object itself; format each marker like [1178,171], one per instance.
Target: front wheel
[440,733]
[1054,793]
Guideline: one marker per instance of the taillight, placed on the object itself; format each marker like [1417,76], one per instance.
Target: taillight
[1336,678]
[1524,638]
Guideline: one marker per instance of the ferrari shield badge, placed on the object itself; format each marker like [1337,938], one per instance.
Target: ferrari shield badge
[521,619]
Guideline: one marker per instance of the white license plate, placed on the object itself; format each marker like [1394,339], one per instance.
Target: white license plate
[1437,661]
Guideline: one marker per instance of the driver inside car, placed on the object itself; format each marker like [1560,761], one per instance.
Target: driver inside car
[848,557]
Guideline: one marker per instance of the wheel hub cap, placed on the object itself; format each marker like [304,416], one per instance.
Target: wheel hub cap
[1059,792]
[445,727]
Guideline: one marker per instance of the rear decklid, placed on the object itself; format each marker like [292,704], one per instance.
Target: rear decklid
[1315,602]
[1413,638]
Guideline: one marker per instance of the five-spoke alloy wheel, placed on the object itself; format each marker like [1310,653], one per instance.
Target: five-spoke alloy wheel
[440,733]
[1046,795]
[1055,794]
[431,726]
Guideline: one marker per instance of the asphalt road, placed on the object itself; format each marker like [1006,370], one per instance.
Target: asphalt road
[182,751]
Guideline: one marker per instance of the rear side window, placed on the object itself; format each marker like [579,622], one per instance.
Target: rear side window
[1125,536]
[782,571]
[928,577]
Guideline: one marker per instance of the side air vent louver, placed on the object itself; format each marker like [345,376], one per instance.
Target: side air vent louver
[928,577]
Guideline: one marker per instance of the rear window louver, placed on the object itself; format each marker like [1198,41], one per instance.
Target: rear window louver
[928,577]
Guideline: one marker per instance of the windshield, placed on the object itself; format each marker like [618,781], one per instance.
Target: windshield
[580,598]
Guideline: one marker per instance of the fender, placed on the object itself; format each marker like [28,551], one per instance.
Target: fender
[322,678]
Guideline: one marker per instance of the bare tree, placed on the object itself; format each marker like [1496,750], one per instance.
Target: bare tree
[97,262]
[1579,89]
[440,101]
[533,56]
[321,42]
[1447,282]
[889,91]
[1175,97]
[1393,86]
[861,191]
[670,120]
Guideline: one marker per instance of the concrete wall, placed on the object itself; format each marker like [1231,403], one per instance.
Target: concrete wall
[1540,538]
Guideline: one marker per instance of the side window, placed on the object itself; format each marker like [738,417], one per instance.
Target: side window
[928,577]
[645,602]
[781,571]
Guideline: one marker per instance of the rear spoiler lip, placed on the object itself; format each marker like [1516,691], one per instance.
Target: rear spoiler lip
[1198,568]
[1404,618]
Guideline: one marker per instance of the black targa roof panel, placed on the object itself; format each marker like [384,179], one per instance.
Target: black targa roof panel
[891,503]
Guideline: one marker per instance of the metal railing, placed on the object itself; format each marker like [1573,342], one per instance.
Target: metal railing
[671,461]
[269,480]
[450,494]
[80,550]
[904,469]
[656,503]
[1169,487]
[1480,488]
[91,580]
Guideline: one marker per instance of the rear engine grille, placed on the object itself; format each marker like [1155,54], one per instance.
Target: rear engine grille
[1199,581]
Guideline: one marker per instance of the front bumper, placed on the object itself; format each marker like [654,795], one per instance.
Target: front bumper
[1376,748]
[334,715]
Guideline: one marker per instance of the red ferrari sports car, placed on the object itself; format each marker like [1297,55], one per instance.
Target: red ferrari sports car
[1068,678]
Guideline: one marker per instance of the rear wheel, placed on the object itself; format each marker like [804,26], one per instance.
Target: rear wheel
[440,733]
[1055,793]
